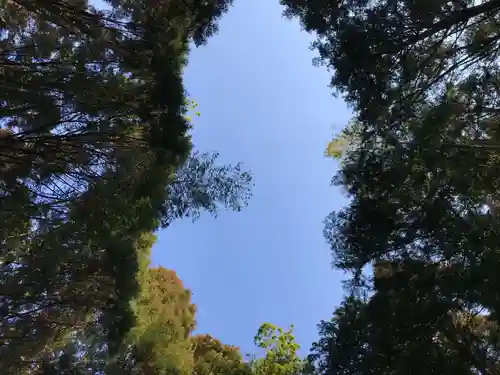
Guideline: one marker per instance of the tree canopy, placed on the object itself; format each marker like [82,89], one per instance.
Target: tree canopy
[95,156]
[280,357]
[212,357]
[422,178]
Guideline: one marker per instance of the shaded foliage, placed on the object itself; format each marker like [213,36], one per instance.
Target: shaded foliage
[422,78]
[95,155]
[202,185]
[159,342]
[403,331]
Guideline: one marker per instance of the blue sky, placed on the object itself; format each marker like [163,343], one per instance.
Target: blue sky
[264,104]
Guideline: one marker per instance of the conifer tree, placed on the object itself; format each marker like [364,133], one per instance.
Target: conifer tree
[95,155]
[422,78]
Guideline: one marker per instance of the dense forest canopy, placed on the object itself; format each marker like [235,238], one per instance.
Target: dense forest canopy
[96,156]
[419,161]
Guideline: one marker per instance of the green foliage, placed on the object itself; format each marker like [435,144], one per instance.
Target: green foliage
[191,105]
[95,156]
[159,342]
[215,358]
[73,162]
[281,356]
[346,141]
[202,185]
[366,336]
[423,79]
[336,147]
